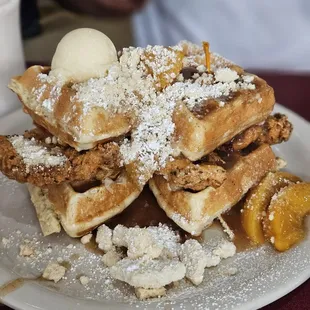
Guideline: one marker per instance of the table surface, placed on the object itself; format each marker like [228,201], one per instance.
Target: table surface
[292,92]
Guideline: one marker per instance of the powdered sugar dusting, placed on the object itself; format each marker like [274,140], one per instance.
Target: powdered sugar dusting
[150,143]
[35,154]
[145,85]
[38,92]
[55,93]
[129,89]
[132,87]
[193,94]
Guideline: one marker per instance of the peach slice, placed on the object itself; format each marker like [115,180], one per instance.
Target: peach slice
[258,200]
[284,223]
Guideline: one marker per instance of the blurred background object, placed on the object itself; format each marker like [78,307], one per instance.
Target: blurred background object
[30,18]
[269,35]
[11,53]
[55,22]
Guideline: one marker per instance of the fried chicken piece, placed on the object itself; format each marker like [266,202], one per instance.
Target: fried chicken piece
[181,173]
[276,129]
[247,137]
[13,166]
[102,161]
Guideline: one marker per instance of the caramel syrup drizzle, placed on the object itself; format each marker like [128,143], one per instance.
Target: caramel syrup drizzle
[206,48]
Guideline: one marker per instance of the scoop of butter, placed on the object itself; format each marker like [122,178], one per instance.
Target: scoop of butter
[83,54]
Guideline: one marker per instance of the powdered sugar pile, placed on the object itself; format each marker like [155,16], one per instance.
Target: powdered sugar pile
[150,144]
[160,61]
[193,94]
[126,88]
[129,89]
[35,154]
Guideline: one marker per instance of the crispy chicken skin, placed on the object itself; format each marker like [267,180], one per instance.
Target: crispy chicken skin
[104,160]
[181,173]
[276,129]
[100,162]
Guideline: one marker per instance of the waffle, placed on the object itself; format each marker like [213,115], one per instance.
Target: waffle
[45,210]
[202,130]
[83,123]
[199,133]
[195,211]
[55,108]
[81,207]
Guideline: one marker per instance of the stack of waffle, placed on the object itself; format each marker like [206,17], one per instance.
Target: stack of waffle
[199,136]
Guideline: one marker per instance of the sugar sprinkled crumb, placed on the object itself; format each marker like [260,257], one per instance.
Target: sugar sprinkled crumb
[195,260]
[112,257]
[226,75]
[54,140]
[226,228]
[86,239]
[25,250]
[143,293]
[225,249]
[150,242]
[104,238]
[148,273]
[271,216]
[54,272]
[5,242]
[84,280]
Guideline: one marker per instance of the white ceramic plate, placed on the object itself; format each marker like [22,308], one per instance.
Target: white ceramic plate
[263,275]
